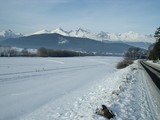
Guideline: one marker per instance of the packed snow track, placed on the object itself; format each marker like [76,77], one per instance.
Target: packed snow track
[153,71]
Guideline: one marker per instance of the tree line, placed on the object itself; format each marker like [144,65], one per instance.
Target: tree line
[134,53]
[9,51]
[44,52]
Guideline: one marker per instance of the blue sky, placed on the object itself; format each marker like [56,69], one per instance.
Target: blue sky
[118,16]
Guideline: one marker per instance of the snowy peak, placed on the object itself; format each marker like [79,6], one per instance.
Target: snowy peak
[136,37]
[82,33]
[6,33]
[79,33]
[10,34]
[81,30]
[60,31]
[102,36]
[42,32]
[129,35]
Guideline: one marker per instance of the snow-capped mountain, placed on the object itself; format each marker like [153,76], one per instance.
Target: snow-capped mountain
[60,31]
[41,32]
[103,36]
[10,34]
[132,37]
[59,42]
[44,31]
[82,33]
[5,34]
[124,37]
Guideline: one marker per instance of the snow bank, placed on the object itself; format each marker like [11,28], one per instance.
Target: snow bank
[125,92]
[154,63]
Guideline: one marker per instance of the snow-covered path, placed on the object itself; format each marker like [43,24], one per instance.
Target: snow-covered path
[28,84]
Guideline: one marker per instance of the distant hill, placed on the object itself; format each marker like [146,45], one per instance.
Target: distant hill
[59,42]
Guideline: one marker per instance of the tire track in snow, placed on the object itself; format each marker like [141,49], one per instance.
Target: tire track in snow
[9,78]
[152,94]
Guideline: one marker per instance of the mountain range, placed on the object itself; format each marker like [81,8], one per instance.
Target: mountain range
[102,36]
[77,40]
[58,42]
[82,33]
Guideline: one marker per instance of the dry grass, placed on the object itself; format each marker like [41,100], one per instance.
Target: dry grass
[123,64]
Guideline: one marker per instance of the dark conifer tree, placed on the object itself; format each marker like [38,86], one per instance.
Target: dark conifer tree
[157,34]
[155,52]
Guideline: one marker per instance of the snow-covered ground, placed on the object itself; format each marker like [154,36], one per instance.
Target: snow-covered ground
[72,89]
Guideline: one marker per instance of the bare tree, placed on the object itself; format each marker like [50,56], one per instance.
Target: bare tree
[134,53]
[25,52]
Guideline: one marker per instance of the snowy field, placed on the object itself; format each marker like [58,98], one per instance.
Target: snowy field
[72,89]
